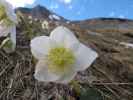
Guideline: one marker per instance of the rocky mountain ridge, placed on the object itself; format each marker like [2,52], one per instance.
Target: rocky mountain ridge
[40,13]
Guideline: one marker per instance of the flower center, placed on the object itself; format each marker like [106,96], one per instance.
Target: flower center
[60,60]
[2,12]
[4,17]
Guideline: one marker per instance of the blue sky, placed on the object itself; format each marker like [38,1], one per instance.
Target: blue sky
[85,9]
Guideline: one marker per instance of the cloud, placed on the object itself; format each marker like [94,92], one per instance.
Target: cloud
[20,3]
[70,7]
[78,13]
[121,16]
[55,6]
[66,1]
[112,14]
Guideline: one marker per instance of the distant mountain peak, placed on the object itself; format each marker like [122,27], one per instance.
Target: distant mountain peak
[40,12]
[40,8]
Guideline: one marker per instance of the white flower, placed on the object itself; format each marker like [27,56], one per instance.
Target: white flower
[35,19]
[45,24]
[8,21]
[60,56]
[30,17]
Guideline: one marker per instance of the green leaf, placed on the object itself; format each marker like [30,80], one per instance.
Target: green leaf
[90,94]
[76,86]
[7,45]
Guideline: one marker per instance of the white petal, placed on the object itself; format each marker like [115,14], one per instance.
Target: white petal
[85,57]
[40,46]
[13,36]
[4,31]
[9,10]
[11,14]
[42,73]
[67,77]
[64,37]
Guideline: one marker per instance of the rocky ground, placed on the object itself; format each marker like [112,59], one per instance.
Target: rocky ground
[109,78]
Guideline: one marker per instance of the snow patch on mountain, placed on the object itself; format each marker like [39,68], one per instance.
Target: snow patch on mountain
[52,17]
[127,45]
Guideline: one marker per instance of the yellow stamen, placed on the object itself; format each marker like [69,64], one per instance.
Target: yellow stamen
[2,12]
[3,16]
[60,60]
